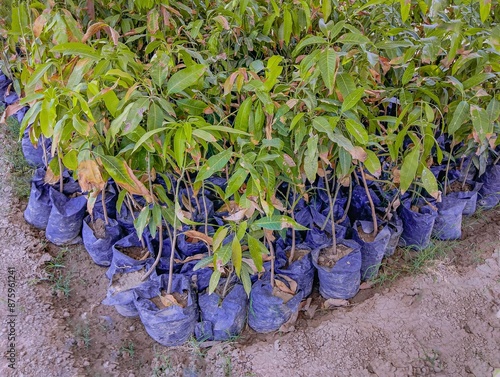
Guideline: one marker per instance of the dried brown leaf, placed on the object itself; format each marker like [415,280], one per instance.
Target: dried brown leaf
[334,303]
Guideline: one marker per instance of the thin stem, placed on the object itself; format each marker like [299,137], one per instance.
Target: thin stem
[344,216]
[194,196]
[174,238]
[160,250]
[45,158]
[205,209]
[61,182]
[372,206]
[331,202]
[103,201]
[448,168]
[228,280]
[496,160]
[466,174]
[271,250]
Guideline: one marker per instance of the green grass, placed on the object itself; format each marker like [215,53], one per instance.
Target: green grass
[21,172]
[57,276]
[83,334]
[128,349]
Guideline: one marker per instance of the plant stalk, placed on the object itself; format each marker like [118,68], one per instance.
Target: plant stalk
[174,237]
[226,285]
[160,250]
[271,250]
[331,202]
[448,167]
[349,197]
[466,174]
[103,201]
[372,206]
[61,182]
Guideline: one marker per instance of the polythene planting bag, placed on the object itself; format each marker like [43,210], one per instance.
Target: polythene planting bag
[417,226]
[35,156]
[124,281]
[490,192]
[65,219]
[470,198]
[448,224]
[99,242]
[396,229]
[224,317]
[344,278]
[301,270]
[373,252]
[267,312]
[189,247]
[173,325]
[121,260]
[37,211]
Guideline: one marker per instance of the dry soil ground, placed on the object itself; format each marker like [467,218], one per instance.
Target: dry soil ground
[441,318]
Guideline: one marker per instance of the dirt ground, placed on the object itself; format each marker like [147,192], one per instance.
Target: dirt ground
[442,321]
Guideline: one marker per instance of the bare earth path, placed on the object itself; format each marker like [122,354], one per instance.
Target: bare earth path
[445,322]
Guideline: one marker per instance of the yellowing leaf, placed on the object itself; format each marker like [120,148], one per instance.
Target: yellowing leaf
[89,176]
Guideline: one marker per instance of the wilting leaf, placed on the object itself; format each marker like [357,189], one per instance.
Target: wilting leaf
[124,176]
[89,176]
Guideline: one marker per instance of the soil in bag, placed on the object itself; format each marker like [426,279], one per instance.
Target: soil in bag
[271,307]
[223,316]
[448,224]
[123,282]
[37,211]
[99,238]
[373,247]
[418,222]
[169,319]
[301,269]
[339,273]
[65,219]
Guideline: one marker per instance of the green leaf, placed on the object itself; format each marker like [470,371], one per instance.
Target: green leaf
[185,78]
[204,135]
[354,38]
[405,9]
[77,48]
[356,129]
[493,110]
[345,84]
[70,160]
[278,222]
[481,122]
[36,76]
[408,74]
[477,79]
[179,146]
[256,248]
[343,142]
[352,99]
[236,181]
[241,120]
[327,66]
[484,9]
[429,182]
[372,163]
[287,26]
[460,116]
[214,164]
[146,137]
[214,281]
[155,116]
[322,124]
[219,237]
[308,41]
[409,169]
[245,278]
[141,221]
[311,159]
[236,255]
